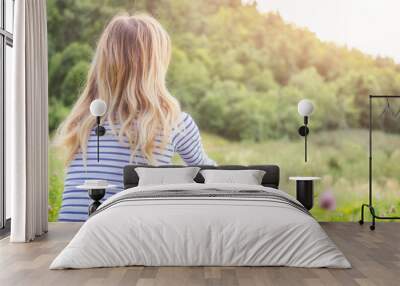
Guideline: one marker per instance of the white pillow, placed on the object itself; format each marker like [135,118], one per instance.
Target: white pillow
[248,177]
[165,176]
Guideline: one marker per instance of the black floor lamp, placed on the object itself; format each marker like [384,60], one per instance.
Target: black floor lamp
[370,203]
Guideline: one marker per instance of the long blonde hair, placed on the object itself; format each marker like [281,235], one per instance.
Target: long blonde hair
[128,72]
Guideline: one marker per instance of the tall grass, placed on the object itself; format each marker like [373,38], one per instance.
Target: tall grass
[340,158]
[56,183]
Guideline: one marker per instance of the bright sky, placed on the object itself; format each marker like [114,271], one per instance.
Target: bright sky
[373,26]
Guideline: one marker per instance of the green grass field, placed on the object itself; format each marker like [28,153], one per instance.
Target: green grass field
[339,157]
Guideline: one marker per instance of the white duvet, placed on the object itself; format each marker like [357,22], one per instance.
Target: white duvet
[188,231]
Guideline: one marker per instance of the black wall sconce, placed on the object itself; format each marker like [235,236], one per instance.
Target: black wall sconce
[305,108]
[98,108]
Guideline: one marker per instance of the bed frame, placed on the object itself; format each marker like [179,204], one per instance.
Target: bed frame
[270,179]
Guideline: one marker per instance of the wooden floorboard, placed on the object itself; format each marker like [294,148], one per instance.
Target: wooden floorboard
[374,255]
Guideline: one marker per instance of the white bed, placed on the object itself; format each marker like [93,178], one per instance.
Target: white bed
[167,225]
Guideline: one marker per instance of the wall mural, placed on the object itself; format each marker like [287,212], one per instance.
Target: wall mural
[240,73]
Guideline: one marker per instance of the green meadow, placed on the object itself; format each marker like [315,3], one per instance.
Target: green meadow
[340,158]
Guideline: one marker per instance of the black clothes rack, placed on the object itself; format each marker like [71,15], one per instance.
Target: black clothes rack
[370,203]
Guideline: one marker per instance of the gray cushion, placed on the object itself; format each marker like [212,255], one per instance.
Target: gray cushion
[165,176]
[248,177]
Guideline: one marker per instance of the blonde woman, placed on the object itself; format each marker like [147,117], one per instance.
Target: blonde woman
[144,123]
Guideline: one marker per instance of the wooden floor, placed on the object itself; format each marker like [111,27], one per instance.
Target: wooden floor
[375,257]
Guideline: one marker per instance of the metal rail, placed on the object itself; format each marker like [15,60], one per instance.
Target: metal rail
[370,203]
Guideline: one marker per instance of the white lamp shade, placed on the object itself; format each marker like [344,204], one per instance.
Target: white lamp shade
[98,107]
[305,107]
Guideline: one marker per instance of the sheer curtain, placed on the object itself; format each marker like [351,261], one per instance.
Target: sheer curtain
[27,124]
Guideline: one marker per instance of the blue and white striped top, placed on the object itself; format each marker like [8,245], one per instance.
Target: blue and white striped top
[114,155]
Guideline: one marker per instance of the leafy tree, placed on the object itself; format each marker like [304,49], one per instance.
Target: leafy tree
[74,81]
[62,67]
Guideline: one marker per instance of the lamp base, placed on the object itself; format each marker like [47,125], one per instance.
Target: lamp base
[303,130]
[100,130]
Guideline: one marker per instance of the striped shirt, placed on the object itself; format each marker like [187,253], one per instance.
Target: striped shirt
[114,155]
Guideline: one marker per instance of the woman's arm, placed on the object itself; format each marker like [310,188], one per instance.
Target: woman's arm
[187,143]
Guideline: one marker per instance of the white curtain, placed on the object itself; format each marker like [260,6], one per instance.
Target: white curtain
[27,124]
